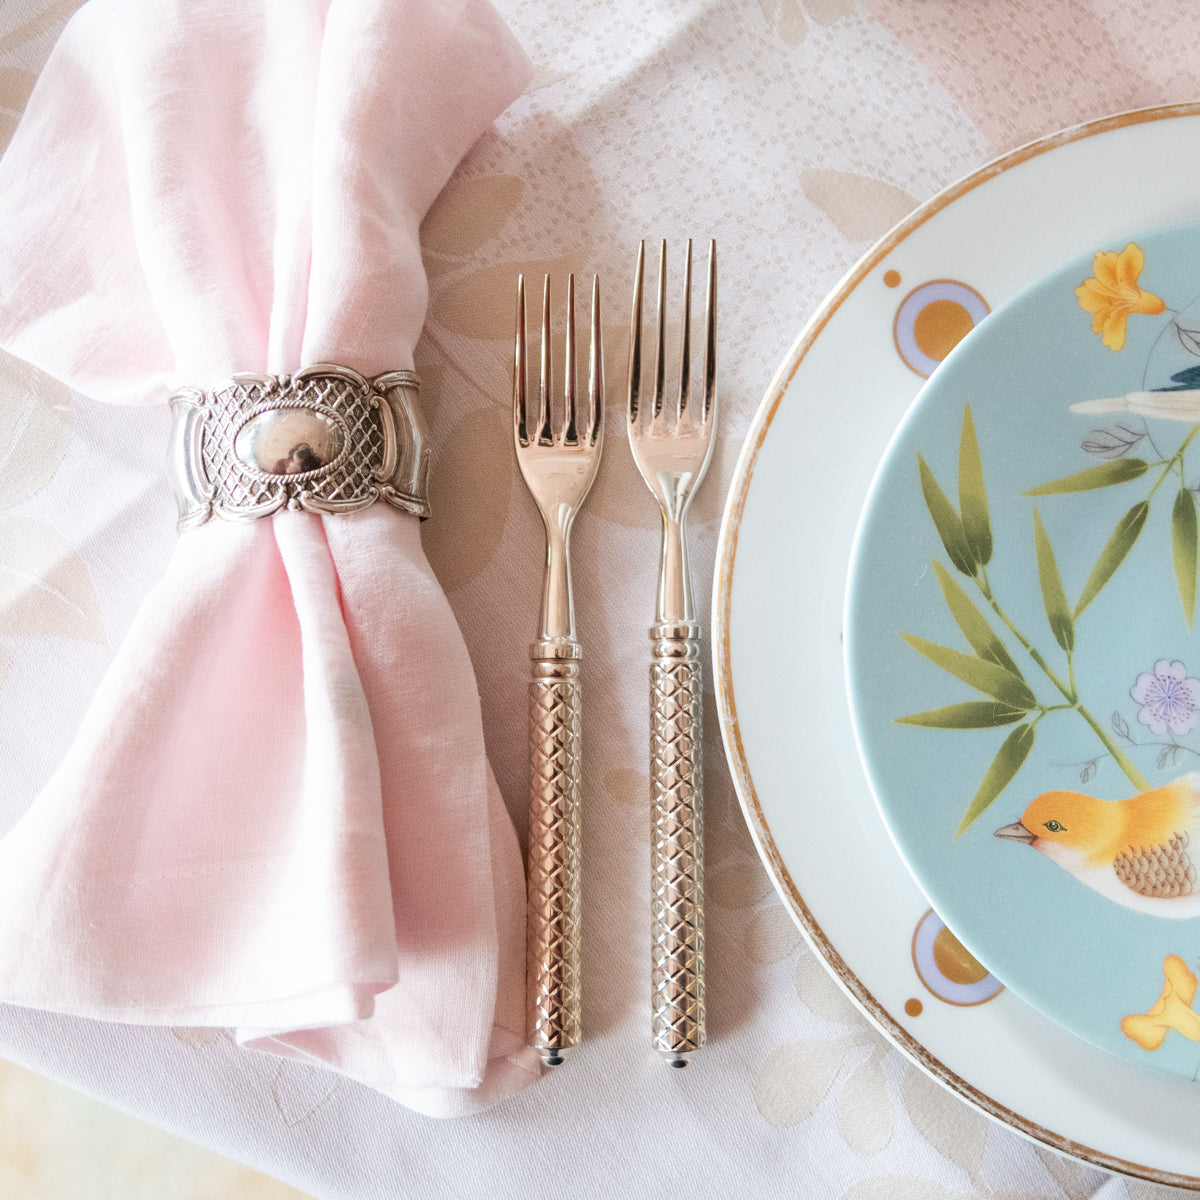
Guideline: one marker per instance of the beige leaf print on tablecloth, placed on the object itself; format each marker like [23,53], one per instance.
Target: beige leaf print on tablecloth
[298,1090]
[481,304]
[544,76]
[862,208]
[734,880]
[1080,1183]
[15,86]
[954,1129]
[473,477]
[821,995]
[734,877]
[49,20]
[477,301]
[470,493]
[798,1076]
[825,12]
[35,427]
[898,1187]
[795,1079]
[469,214]
[201,1037]
[864,1109]
[45,587]
[787,18]
[770,935]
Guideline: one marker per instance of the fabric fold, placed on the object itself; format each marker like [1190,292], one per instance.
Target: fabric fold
[278,814]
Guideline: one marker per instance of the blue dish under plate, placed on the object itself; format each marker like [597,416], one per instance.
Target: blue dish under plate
[1022,645]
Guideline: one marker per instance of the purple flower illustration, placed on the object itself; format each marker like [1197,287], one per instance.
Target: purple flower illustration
[1169,698]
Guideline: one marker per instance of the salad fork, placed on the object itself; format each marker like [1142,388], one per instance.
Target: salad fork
[558,463]
[672,444]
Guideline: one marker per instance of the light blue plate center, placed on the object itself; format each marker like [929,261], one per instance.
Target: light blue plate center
[1003,645]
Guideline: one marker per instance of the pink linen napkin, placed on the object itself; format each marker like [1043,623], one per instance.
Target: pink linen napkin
[277,815]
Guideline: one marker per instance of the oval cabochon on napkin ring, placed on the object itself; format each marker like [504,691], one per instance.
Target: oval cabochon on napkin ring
[325,439]
[292,440]
[1022,664]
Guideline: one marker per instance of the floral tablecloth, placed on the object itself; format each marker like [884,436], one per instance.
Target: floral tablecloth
[795,132]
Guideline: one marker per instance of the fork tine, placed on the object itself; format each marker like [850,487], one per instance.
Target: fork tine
[635,337]
[519,368]
[595,369]
[710,333]
[685,345]
[660,330]
[570,436]
[544,437]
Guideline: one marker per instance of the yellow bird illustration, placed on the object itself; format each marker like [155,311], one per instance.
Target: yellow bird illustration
[1136,851]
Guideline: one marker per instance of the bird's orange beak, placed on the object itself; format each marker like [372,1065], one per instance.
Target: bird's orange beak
[1016,832]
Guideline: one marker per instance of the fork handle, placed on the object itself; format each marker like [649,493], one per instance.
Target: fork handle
[676,841]
[555,727]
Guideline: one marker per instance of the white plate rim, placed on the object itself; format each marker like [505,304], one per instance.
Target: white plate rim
[727,712]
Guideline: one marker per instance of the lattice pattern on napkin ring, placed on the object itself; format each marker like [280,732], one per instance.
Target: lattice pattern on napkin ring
[324,440]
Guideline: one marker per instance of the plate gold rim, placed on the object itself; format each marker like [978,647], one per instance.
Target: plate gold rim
[726,704]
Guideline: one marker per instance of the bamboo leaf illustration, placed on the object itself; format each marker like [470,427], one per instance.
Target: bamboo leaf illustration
[970,620]
[1108,474]
[971,714]
[1114,552]
[1184,546]
[972,495]
[982,675]
[1058,612]
[1008,761]
[946,521]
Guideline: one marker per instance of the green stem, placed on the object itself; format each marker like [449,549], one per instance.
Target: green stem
[1134,776]
[1175,462]
[1026,645]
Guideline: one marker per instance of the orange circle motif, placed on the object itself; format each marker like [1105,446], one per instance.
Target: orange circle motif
[932,319]
[955,961]
[940,326]
[891,279]
[914,1007]
[947,968]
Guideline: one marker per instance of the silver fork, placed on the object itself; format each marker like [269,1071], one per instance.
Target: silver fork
[558,466]
[672,444]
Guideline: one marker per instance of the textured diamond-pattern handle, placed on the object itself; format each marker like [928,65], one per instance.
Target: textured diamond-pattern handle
[553,877]
[676,846]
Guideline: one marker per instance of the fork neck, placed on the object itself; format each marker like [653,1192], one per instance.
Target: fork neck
[557,622]
[674,603]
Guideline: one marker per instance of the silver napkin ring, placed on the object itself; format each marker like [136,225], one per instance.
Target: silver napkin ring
[325,440]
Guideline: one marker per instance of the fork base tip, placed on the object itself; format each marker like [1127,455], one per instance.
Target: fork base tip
[676,1058]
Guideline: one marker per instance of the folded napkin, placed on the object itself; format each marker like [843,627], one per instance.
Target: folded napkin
[277,815]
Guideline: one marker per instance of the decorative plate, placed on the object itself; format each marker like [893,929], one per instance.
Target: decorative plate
[779,593]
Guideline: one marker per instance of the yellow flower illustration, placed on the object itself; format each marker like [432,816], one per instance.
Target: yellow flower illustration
[1172,1010]
[1113,293]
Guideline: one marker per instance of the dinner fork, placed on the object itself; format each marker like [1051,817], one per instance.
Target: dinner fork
[558,463]
[672,444]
